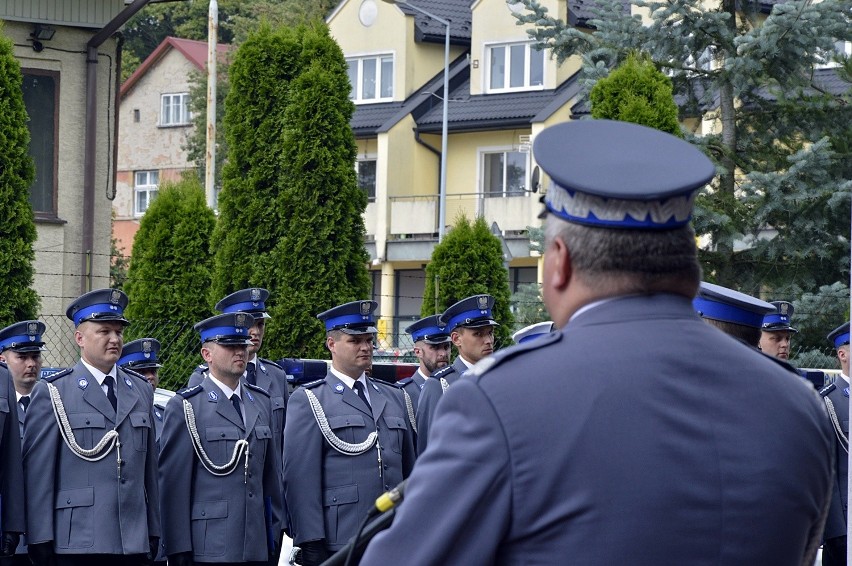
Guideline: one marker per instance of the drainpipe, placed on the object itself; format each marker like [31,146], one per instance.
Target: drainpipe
[88,242]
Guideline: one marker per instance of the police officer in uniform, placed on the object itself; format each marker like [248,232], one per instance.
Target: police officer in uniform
[432,348]
[471,329]
[836,398]
[635,434]
[142,356]
[90,461]
[734,313]
[219,465]
[21,345]
[347,439]
[12,522]
[776,331]
[532,332]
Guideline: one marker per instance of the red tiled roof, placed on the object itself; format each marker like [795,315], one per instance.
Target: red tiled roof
[194,51]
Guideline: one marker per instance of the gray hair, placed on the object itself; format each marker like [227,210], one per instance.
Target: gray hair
[627,260]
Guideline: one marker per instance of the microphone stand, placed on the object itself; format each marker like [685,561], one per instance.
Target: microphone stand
[358,544]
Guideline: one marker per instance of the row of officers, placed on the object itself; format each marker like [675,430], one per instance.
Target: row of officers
[112,478]
[633,433]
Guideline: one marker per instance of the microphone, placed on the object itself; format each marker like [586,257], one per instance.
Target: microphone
[389,499]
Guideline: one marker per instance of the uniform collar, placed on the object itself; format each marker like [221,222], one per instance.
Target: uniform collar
[348,381]
[225,389]
[98,374]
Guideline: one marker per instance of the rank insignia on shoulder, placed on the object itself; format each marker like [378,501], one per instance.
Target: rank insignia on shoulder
[189,391]
[269,363]
[256,388]
[58,374]
[827,389]
[202,368]
[315,383]
[444,371]
[508,353]
[403,382]
[482,366]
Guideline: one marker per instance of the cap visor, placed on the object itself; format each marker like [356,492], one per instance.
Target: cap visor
[231,341]
[437,340]
[363,330]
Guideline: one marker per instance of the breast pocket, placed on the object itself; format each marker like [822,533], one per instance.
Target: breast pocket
[279,408]
[396,432]
[141,423]
[220,441]
[350,428]
[75,521]
[88,428]
[209,522]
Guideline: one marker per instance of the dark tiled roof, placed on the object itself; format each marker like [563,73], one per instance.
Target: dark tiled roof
[829,80]
[581,11]
[496,111]
[457,12]
[369,117]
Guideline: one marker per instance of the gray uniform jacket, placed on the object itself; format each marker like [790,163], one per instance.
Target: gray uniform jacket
[22,544]
[329,493]
[636,435]
[431,394]
[11,470]
[838,394]
[413,386]
[219,518]
[92,507]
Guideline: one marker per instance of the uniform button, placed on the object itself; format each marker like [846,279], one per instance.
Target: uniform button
[222,435]
[87,421]
[386,466]
[203,513]
[387,487]
[68,502]
[333,499]
[144,421]
[123,482]
[251,494]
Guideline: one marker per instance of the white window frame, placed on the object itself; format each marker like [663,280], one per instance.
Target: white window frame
[529,52]
[142,184]
[504,193]
[357,93]
[167,100]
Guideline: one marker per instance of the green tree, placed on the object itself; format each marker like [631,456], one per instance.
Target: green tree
[772,216]
[320,259]
[815,315]
[250,224]
[169,273]
[636,92]
[17,227]
[469,261]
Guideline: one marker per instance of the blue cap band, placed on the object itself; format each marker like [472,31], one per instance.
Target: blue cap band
[100,308]
[246,307]
[20,341]
[429,333]
[223,332]
[841,339]
[727,313]
[473,315]
[137,357]
[592,210]
[339,321]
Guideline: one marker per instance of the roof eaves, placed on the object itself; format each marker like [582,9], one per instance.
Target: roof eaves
[158,53]
[563,95]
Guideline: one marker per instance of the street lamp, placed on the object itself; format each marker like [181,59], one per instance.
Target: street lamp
[442,190]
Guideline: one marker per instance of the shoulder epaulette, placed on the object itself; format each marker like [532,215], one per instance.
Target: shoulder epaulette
[135,374]
[444,371]
[782,363]
[57,375]
[257,388]
[313,384]
[3,364]
[202,368]
[501,356]
[188,392]
[403,382]
[270,363]
[827,389]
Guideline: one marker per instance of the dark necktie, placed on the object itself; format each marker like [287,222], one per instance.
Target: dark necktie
[235,401]
[359,389]
[251,373]
[110,385]
[25,402]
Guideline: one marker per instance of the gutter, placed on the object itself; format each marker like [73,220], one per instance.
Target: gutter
[92,46]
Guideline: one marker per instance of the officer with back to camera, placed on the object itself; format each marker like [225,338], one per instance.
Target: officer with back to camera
[21,345]
[836,398]
[90,460]
[347,439]
[736,314]
[219,464]
[471,328]
[636,433]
